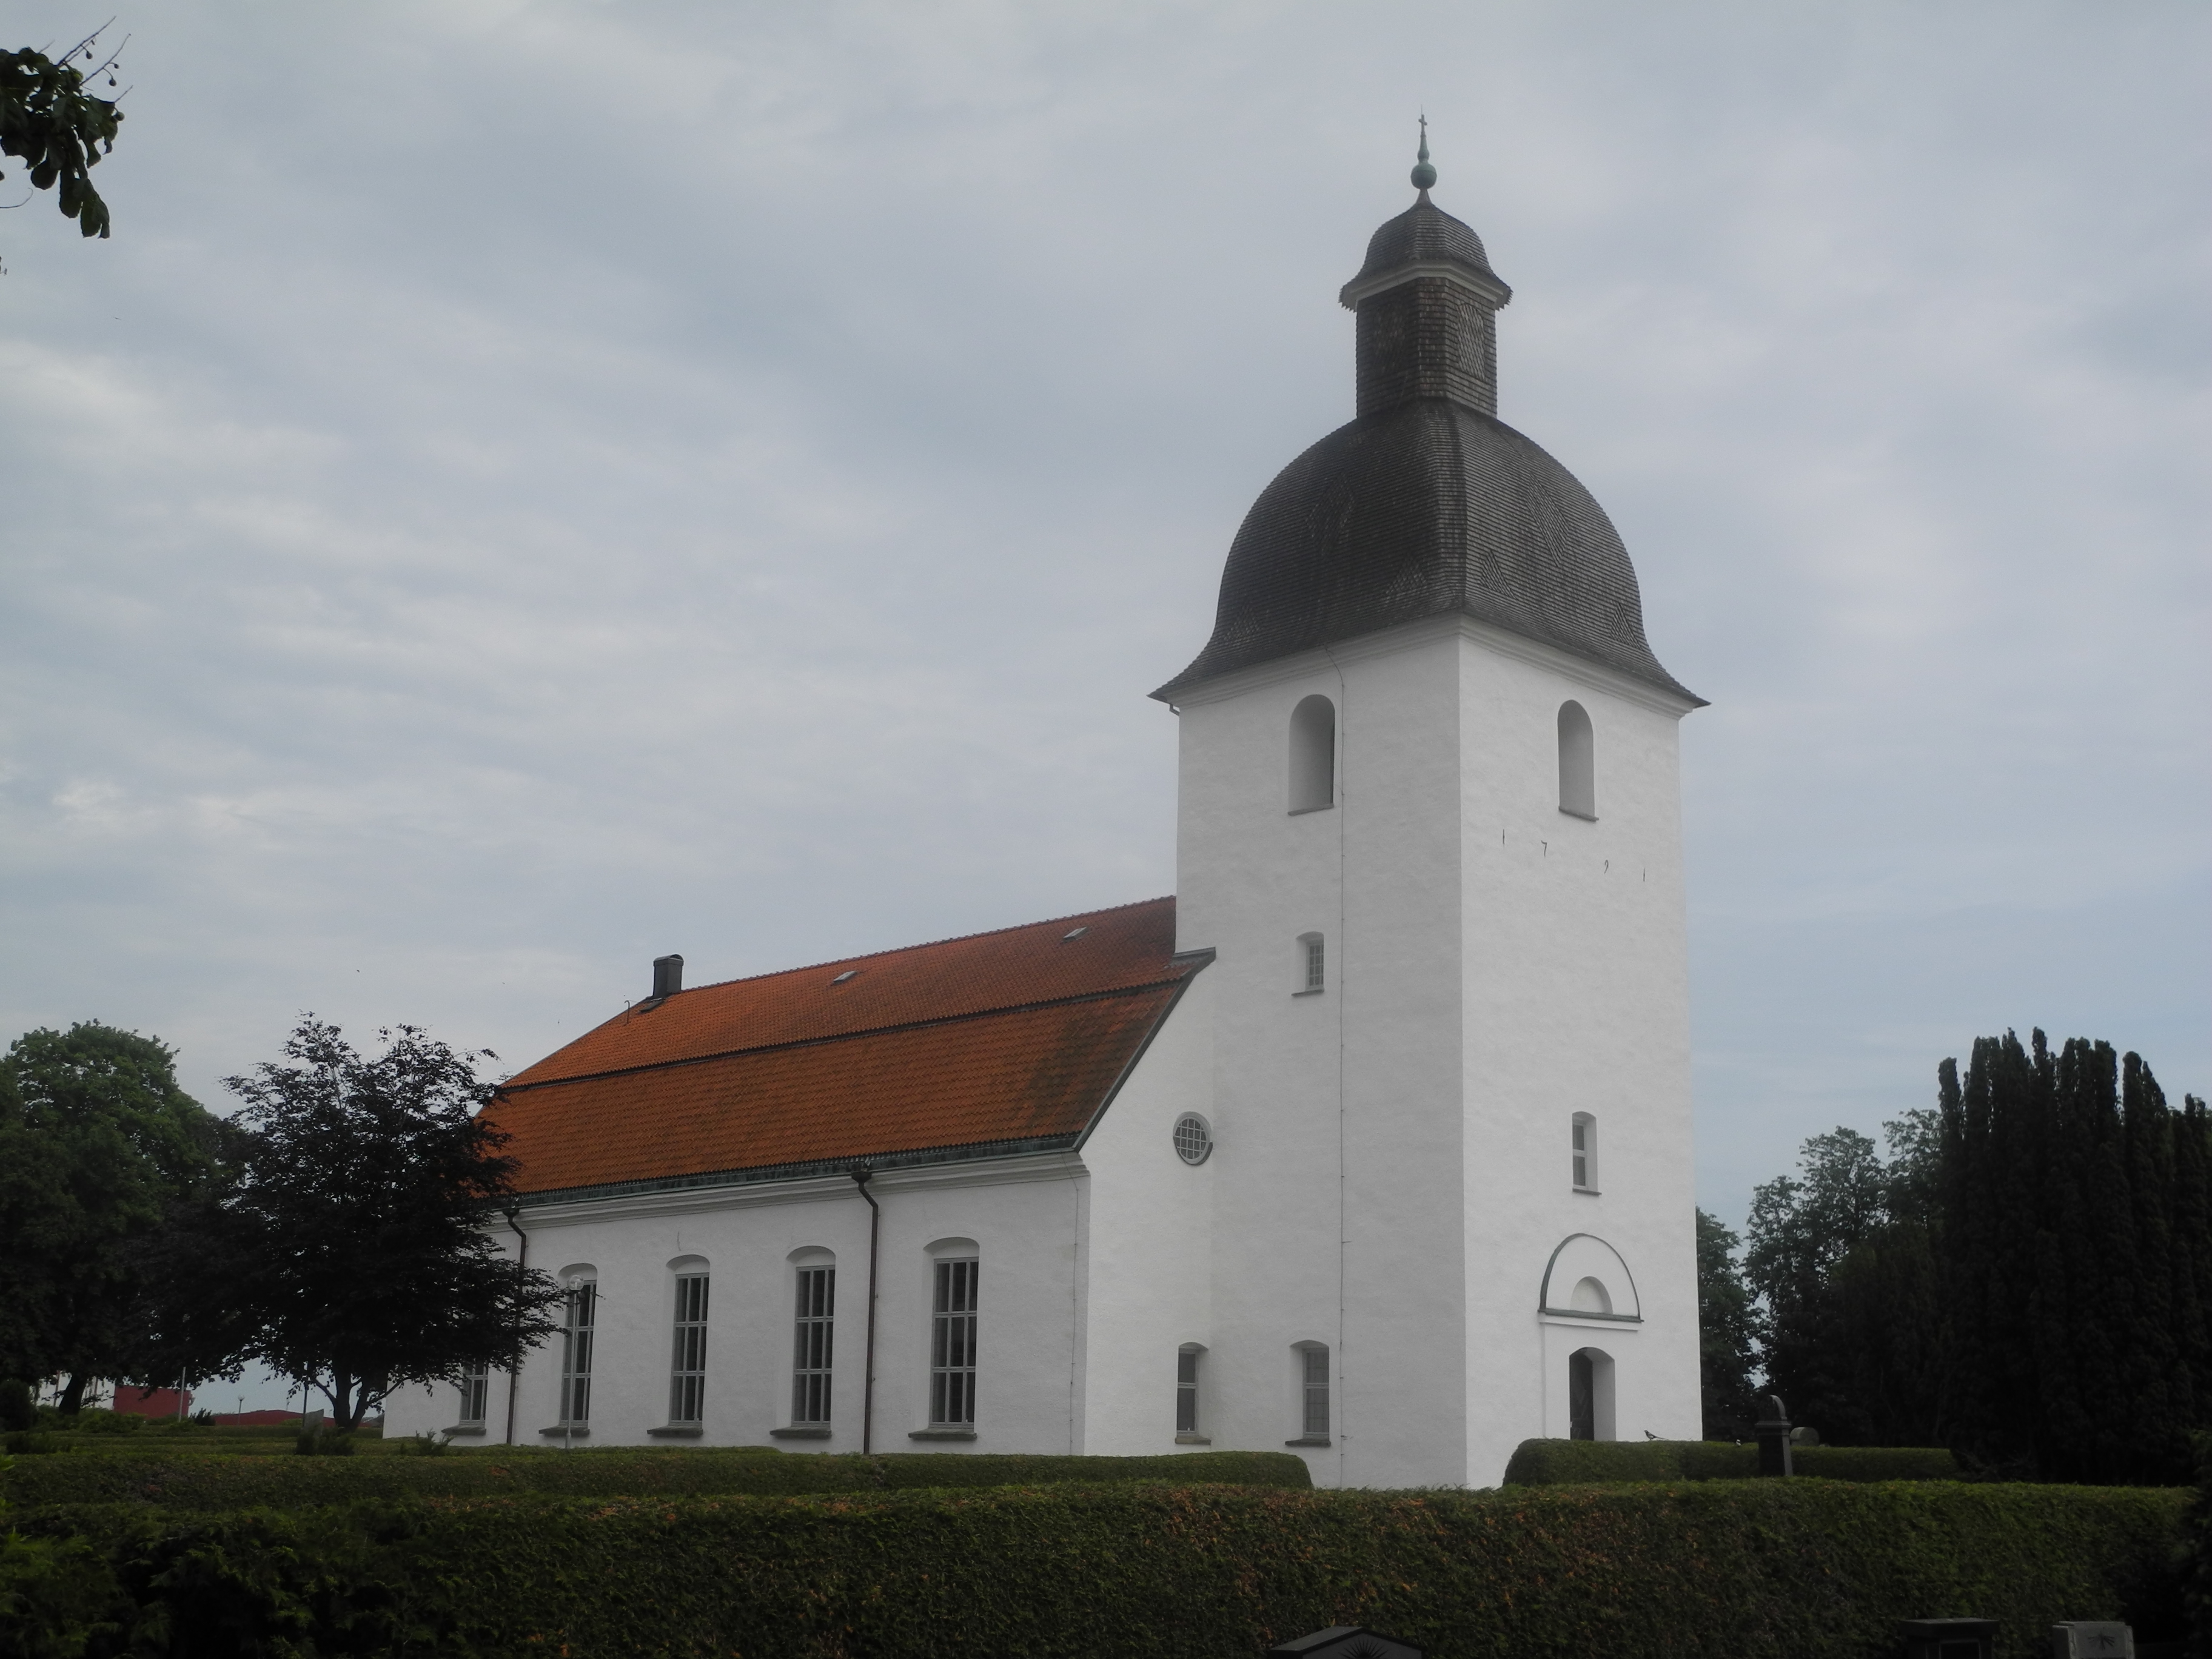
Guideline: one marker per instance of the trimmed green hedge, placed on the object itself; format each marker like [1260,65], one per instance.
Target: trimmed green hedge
[229,1483]
[159,1443]
[1571,1462]
[1807,1569]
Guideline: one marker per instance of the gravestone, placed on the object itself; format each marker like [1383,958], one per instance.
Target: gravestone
[2092,1638]
[1947,1638]
[1347,1641]
[1773,1431]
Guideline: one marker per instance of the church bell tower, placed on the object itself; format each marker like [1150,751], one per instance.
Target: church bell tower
[1429,824]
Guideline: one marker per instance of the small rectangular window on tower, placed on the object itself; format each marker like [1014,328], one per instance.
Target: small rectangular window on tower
[1585,1153]
[1313,964]
[1187,1392]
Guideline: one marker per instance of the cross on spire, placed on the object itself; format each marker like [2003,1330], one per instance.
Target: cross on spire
[1424,174]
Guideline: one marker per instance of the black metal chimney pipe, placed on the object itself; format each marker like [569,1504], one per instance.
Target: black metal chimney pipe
[514,1372]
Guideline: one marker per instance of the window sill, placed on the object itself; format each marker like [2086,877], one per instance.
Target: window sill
[567,1431]
[1590,1192]
[1316,992]
[1311,1440]
[678,1431]
[1300,811]
[941,1434]
[801,1431]
[1587,818]
[1195,1439]
[460,1429]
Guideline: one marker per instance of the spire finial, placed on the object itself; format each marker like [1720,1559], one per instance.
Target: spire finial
[1424,174]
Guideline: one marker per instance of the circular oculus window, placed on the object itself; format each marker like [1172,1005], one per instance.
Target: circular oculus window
[1194,1140]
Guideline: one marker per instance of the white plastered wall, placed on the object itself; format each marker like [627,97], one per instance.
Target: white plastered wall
[1576,1000]
[1401,1171]
[1026,1215]
[1337,1202]
[1150,1268]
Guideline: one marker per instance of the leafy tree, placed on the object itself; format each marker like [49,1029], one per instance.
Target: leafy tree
[1729,1329]
[1800,1229]
[355,1247]
[58,129]
[1845,1260]
[97,1144]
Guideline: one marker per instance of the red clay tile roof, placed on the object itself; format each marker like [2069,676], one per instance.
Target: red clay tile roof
[1018,1036]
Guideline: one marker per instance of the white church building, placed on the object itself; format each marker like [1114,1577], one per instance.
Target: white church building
[1372,1142]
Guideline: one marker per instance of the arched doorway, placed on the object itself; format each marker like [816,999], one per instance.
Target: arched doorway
[1589,1395]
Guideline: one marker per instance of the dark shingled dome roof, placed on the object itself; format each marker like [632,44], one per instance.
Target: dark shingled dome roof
[1423,234]
[1429,507]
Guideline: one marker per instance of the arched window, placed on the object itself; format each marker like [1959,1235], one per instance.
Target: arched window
[1311,1360]
[814,1335]
[1585,1153]
[1577,763]
[1313,754]
[1589,1395]
[687,1362]
[954,1272]
[1312,965]
[579,1323]
[475,1392]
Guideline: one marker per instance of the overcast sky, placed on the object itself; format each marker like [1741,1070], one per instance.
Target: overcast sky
[530,487]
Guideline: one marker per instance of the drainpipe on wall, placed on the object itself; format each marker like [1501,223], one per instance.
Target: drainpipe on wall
[860,1179]
[515,1370]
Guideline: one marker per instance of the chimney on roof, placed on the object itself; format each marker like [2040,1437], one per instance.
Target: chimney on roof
[667,976]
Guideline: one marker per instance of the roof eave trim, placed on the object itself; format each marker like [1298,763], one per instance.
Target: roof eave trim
[1668,696]
[1485,286]
[980,1151]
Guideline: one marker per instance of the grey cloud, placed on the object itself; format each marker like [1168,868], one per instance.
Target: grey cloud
[595,481]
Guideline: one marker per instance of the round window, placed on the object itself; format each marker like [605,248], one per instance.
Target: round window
[1193,1140]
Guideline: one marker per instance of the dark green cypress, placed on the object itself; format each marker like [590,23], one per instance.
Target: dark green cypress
[2046,1201]
[2038,1292]
[2158,1382]
[2074,1250]
[2191,1211]
[2093,1415]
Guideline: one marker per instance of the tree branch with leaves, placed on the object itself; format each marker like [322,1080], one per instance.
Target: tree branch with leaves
[57,129]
